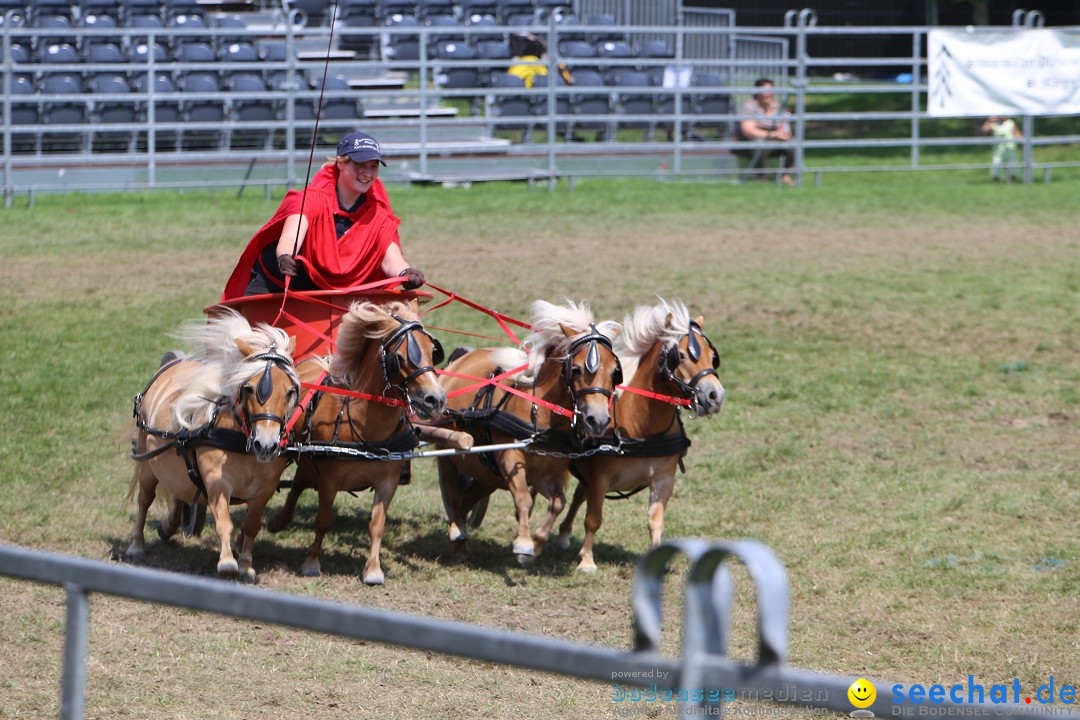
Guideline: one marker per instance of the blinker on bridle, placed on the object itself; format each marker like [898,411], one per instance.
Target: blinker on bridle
[669,360]
[264,389]
[391,363]
[592,362]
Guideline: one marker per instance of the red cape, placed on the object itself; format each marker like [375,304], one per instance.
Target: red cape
[333,264]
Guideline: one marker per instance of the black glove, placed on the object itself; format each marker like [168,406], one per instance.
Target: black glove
[413,278]
[286,265]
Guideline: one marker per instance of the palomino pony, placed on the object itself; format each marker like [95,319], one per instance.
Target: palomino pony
[209,429]
[559,402]
[384,360]
[667,356]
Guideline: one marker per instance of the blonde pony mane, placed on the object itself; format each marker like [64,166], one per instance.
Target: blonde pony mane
[667,322]
[363,322]
[223,367]
[547,335]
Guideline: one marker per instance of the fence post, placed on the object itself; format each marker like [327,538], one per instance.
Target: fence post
[807,19]
[916,81]
[290,103]
[7,94]
[422,76]
[76,631]
[1029,151]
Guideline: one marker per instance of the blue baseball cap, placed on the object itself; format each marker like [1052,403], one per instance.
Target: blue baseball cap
[359,146]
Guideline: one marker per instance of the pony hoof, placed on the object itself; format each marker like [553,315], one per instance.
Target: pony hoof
[457,535]
[524,549]
[248,574]
[275,525]
[310,571]
[164,533]
[374,578]
[563,542]
[587,569]
[525,560]
[135,553]
[228,568]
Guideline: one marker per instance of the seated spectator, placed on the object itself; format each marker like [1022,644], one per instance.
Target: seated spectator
[530,55]
[764,121]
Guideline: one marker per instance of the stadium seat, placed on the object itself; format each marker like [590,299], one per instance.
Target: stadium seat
[482,28]
[17,20]
[238,52]
[516,12]
[629,102]
[613,49]
[121,114]
[510,100]
[710,98]
[609,29]
[316,12]
[70,110]
[429,8]
[147,22]
[590,103]
[109,8]
[453,31]
[207,109]
[106,54]
[42,8]
[194,52]
[545,9]
[98,23]
[25,110]
[20,54]
[468,8]
[138,8]
[186,23]
[60,30]
[669,78]
[492,50]
[258,109]
[166,110]
[385,9]
[140,54]
[541,94]
[577,55]
[175,8]
[654,49]
[359,14]
[398,46]
[456,77]
[224,23]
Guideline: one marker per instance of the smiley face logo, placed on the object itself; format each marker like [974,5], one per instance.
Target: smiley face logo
[862,693]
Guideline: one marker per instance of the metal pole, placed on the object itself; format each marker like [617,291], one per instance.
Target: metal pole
[8,69]
[77,630]
[1029,150]
[916,80]
[290,103]
[807,19]
[422,76]
[151,112]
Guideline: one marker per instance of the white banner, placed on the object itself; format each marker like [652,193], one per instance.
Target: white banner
[1018,72]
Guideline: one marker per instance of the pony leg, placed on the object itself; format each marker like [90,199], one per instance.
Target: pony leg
[249,530]
[594,517]
[514,470]
[284,515]
[218,503]
[659,495]
[147,485]
[170,524]
[556,504]
[384,493]
[453,497]
[324,519]
[567,525]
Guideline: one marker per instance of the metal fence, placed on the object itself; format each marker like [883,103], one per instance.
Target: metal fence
[699,682]
[438,129]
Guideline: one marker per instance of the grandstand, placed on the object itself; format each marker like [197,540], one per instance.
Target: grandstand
[209,81]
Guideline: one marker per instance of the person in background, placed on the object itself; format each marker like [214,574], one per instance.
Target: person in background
[1006,133]
[339,232]
[763,120]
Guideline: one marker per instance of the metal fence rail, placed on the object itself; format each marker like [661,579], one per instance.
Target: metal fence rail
[439,131]
[689,680]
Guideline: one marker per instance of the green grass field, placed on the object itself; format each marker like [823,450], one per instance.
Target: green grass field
[901,354]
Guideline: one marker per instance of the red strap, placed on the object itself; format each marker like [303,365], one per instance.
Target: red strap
[558,409]
[353,393]
[671,399]
[498,316]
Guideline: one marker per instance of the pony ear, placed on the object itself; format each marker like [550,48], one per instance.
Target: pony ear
[244,348]
[700,321]
[414,305]
[568,332]
[668,319]
[291,347]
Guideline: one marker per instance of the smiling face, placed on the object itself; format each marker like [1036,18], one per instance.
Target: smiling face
[355,178]
[862,693]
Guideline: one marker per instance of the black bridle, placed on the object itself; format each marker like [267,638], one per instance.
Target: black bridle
[594,340]
[264,389]
[391,362]
[669,360]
